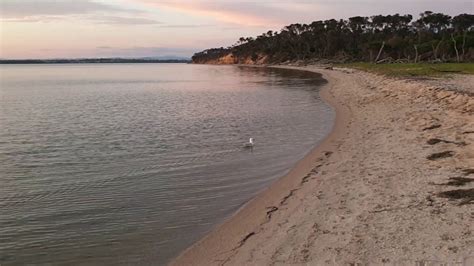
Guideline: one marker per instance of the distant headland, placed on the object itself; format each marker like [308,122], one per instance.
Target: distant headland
[93,61]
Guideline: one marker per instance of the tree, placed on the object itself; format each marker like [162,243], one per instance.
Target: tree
[462,24]
[433,36]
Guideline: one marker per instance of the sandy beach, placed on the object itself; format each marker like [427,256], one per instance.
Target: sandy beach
[391,185]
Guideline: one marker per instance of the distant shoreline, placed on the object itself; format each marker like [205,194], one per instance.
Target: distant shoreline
[90,61]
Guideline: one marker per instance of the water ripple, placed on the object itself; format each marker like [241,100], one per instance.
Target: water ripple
[130,164]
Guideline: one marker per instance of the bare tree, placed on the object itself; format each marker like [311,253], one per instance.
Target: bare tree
[416,53]
[380,52]
[455,47]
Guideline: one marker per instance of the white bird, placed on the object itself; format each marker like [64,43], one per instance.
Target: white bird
[249,144]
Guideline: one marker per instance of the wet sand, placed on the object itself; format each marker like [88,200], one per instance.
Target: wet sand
[392,184]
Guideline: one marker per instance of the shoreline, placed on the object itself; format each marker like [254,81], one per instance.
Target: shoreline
[272,193]
[371,190]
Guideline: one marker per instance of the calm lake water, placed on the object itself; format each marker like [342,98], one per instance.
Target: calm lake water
[130,164]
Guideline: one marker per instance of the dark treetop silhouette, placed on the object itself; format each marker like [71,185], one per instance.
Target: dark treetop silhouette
[432,37]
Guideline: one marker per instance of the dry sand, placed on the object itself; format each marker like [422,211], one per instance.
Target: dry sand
[391,185]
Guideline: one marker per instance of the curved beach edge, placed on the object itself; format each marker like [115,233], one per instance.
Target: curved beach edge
[391,184]
[215,245]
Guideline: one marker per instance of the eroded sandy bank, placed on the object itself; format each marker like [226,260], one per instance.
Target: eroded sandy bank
[391,184]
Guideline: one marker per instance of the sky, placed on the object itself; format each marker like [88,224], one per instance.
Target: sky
[162,28]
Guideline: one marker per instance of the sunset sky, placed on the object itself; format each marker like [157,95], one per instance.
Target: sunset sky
[139,28]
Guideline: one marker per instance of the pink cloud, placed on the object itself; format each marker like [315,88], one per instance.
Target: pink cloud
[245,14]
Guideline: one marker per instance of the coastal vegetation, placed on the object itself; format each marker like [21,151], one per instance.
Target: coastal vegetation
[433,37]
[412,69]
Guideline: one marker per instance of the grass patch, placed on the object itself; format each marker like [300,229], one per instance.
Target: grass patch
[414,70]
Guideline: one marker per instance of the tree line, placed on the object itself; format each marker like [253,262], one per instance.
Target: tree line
[379,38]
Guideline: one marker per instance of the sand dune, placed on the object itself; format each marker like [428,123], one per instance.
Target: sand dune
[393,184]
